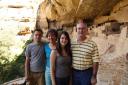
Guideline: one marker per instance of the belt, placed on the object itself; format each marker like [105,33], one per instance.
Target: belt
[77,70]
[36,72]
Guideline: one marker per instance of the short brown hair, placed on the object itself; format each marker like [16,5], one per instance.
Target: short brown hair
[52,31]
[39,30]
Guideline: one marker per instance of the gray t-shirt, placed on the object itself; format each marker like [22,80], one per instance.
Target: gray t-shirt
[63,66]
[37,57]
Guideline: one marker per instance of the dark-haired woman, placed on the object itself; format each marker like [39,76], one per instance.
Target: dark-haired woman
[61,60]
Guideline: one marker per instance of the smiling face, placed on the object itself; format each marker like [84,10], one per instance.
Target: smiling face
[81,29]
[63,40]
[37,36]
[64,43]
[51,38]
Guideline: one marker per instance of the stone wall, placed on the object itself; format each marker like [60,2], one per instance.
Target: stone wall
[113,49]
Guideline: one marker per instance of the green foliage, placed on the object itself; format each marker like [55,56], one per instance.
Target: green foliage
[8,42]
[14,69]
[11,54]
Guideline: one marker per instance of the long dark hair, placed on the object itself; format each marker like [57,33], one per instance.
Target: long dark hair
[67,48]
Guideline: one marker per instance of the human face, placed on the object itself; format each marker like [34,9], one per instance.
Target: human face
[63,40]
[51,38]
[81,30]
[37,36]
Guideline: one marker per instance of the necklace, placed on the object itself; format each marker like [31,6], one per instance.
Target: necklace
[52,46]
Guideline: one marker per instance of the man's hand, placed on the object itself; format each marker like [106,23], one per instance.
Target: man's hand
[53,83]
[93,80]
[27,78]
[127,56]
[27,69]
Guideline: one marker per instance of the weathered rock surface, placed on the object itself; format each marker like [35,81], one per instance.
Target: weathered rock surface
[119,14]
[67,11]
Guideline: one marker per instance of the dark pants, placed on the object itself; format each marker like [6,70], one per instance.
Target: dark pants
[62,81]
[82,77]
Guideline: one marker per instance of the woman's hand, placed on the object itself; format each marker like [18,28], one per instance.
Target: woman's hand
[53,83]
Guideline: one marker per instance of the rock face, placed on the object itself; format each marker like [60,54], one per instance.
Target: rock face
[65,12]
[59,13]
[119,13]
[113,49]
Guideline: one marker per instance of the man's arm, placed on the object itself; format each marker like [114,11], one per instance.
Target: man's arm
[96,60]
[27,62]
[94,74]
[27,68]
[95,69]
[127,56]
